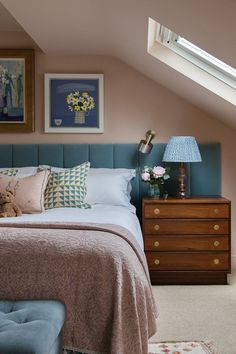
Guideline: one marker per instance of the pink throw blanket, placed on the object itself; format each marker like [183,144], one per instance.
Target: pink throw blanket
[98,271]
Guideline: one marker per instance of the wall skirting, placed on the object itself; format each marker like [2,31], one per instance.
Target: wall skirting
[233,262]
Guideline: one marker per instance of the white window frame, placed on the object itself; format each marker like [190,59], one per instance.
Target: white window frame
[196,55]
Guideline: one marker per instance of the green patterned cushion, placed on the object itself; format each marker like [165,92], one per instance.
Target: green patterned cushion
[9,172]
[67,188]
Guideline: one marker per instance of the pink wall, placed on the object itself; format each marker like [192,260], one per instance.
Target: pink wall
[133,104]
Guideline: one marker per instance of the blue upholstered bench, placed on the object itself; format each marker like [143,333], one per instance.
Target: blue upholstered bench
[31,327]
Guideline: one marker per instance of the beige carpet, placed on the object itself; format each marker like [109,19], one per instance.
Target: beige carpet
[198,313]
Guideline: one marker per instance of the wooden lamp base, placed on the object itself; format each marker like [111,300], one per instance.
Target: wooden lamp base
[182,181]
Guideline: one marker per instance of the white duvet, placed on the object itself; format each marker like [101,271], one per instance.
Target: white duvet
[99,213]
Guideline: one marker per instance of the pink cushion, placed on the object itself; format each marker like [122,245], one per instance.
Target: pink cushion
[29,191]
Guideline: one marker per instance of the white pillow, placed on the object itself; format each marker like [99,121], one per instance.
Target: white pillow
[129,173]
[113,171]
[110,186]
[23,171]
[26,171]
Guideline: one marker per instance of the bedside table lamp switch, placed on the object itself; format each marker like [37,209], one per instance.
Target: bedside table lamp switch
[182,149]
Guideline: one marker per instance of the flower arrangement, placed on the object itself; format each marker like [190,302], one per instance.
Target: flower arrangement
[80,101]
[155,177]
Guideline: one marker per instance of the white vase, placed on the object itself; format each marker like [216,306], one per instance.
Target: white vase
[80,117]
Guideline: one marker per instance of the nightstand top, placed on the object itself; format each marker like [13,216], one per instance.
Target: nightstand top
[196,200]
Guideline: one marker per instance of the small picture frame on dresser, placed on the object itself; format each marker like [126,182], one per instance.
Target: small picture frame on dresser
[165,195]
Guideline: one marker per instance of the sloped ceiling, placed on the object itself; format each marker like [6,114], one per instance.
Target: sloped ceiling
[119,28]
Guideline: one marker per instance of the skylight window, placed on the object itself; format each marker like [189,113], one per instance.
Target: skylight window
[196,55]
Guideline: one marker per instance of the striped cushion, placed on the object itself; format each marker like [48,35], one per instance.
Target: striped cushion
[67,188]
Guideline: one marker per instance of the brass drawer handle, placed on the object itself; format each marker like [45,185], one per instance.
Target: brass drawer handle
[216,261]
[156,244]
[216,243]
[216,227]
[156,261]
[156,227]
[156,211]
[216,211]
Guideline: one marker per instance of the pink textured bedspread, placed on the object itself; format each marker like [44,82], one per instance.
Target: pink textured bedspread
[98,271]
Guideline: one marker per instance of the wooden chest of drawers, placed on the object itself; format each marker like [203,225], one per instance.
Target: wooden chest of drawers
[187,241]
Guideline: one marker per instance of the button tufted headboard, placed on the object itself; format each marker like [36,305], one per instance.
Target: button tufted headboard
[204,178]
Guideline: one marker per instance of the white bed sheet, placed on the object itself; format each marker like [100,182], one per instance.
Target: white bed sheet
[98,213]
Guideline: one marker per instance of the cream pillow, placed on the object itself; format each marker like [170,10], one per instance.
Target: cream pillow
[29,191]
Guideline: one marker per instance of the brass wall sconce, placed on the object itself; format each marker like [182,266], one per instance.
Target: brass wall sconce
[145,146]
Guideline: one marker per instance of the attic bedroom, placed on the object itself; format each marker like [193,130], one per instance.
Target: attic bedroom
[110,243]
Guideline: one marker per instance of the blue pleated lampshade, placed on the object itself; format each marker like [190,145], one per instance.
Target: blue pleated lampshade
[182,149]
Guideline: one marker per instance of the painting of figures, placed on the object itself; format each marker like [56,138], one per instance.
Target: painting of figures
[12,73]
[16,90]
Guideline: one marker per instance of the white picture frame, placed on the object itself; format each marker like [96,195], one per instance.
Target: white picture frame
[74,103]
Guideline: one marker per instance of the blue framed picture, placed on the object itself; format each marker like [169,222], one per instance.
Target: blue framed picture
[74,103]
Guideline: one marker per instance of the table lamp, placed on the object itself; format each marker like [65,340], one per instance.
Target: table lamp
[182,149]
[145,146]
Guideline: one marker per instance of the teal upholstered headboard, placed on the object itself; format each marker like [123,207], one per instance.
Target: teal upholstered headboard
[204,178]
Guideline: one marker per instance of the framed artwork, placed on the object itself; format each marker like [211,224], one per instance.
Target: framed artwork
[16,90]
[74,103]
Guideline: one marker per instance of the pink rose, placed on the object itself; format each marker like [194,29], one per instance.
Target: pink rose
[146,176]
[158,171]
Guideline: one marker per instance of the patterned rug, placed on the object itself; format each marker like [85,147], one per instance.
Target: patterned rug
[194,347]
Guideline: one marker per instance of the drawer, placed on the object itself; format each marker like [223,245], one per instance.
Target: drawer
[188,243]
[185,226]
[187,261]
[193,211]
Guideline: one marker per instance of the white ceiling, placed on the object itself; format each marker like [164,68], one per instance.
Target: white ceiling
[119,28]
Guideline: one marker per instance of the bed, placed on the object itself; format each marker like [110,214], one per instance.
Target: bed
[91,259]
[97,269]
